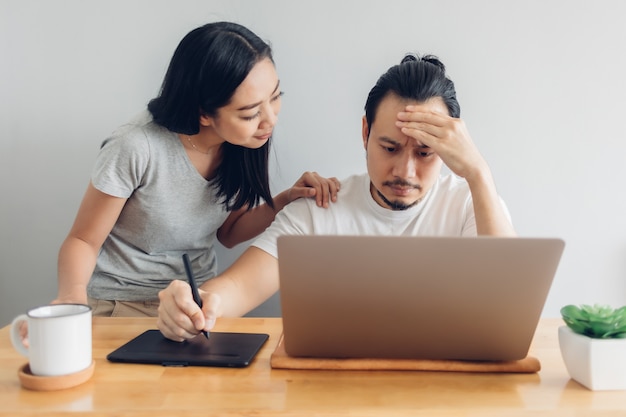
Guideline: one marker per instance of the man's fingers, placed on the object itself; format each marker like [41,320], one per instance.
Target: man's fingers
[211,304]
[179,316]
[171,330]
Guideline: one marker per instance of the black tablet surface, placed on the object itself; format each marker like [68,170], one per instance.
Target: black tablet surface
[220,349]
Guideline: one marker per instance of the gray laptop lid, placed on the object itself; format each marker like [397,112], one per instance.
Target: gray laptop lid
[414,297]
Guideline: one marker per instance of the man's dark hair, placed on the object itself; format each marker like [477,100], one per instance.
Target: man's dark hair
[416,78]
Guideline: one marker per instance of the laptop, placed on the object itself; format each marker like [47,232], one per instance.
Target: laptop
[458,298]
[234,350]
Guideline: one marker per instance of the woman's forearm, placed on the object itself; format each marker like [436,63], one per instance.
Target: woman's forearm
[76,263]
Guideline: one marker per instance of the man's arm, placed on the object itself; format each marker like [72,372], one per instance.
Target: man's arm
[491,219]
[249,281]
[449,138]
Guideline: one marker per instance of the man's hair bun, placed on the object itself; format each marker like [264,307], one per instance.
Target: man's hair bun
[431,59]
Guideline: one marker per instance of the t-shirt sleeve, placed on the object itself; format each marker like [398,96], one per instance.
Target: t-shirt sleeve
[469,219]
[293,219]
[121,164]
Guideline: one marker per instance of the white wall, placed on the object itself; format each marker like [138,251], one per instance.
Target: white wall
[540,85]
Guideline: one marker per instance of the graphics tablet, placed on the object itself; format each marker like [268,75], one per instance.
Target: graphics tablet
[220,349]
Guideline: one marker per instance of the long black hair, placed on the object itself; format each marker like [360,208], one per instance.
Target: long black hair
[416,78]
[208,65]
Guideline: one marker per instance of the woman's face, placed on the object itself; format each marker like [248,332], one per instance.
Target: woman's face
[249,119]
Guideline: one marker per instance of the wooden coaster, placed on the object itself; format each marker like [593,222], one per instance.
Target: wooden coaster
[53,383]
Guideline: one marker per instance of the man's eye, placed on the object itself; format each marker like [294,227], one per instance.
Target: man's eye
[389,149]
[424,154]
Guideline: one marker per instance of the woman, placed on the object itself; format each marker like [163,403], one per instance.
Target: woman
[190,170]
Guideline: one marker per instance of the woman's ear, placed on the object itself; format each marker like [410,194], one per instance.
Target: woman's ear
[206,120]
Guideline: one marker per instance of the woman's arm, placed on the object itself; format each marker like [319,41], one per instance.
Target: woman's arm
[243,224]
[96,217]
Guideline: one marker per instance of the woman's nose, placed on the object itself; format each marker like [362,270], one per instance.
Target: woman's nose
[269,116]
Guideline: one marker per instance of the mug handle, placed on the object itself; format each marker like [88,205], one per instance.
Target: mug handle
[16,337]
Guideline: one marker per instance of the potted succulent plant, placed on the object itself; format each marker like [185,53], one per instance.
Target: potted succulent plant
[593,345]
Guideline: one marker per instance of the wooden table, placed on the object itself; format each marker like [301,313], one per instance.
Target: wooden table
[153,390]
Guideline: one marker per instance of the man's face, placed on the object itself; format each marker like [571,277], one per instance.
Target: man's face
[401,169]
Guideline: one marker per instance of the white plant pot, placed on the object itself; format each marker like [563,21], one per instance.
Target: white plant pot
[598,364]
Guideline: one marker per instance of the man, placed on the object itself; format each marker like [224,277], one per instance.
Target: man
[410,129]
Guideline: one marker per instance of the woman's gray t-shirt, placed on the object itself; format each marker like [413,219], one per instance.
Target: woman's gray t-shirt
[171,210]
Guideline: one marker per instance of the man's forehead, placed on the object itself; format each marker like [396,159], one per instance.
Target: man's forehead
[403,141]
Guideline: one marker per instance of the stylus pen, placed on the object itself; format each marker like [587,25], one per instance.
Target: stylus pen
[194,287]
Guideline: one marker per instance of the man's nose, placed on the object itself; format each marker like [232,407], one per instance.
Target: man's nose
[405,166]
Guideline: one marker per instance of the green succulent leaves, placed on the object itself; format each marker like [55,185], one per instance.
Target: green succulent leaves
[597,321]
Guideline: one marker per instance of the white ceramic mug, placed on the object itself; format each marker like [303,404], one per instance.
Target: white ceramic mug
[59,338]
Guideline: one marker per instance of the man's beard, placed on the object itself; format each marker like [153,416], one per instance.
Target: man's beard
[397,205]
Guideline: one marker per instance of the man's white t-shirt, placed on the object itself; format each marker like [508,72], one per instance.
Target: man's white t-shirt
[446,210]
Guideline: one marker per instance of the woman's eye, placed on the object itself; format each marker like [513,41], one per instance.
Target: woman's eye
[249,118]
[254,116]
[277,96]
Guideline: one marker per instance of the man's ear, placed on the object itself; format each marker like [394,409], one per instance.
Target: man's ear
[206,120]
[365,131]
